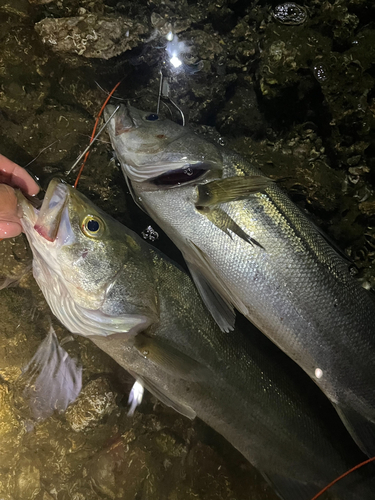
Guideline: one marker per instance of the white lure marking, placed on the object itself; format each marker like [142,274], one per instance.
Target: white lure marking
[135,396]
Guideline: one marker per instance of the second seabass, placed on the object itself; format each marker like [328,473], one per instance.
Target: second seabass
[258,253]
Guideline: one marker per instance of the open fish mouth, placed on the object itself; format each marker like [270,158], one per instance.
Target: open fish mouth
[44,221]
[123,121]
[49,216]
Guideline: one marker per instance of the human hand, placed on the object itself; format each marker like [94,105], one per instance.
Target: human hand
[12,175]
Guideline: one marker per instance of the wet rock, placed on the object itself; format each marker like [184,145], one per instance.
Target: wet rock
[368,208]
[40,2]
[346,96]
[18,310]
[165,24]
[15,7]
[205,45]
[103,467]
[91,36]
[26,480]
[21,100]
[176,15]
[362,51]
[97,400]
[342,22]
[241,113]
[15,261]
[18,52]
[242,46]
[169,445]
[287,54]
[120,471]
[60,131]
[11,430]
[213,481]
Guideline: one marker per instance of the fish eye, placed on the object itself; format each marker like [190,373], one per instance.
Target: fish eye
[152,117]
[92,226]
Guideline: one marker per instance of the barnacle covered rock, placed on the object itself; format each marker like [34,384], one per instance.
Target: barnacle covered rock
[91,36]
[286,53]
[97,399]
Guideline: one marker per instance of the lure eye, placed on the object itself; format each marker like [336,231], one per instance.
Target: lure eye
[187,173]
[152,117]
[92,226]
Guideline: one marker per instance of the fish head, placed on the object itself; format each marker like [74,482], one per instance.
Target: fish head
[82,259]
[157,150]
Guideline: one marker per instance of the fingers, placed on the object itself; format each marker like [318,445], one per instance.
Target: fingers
[9,229]
[16,176]
[9,221]
[12,174]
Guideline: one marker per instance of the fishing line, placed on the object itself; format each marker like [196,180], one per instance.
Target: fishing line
[47,147]
[93,132]
[342,476]
[85,152]
[108,93]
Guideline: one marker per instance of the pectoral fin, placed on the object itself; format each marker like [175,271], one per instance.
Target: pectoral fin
[221,310]
[230,189]
[217,297]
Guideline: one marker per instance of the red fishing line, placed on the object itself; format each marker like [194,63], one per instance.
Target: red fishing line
[94,130]
[342,476]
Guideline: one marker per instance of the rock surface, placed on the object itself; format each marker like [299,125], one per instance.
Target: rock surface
[90,35]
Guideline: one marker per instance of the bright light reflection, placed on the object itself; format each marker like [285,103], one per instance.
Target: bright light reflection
[175,61]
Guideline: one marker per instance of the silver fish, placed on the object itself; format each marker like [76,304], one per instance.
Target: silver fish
[104,282]
[249,247]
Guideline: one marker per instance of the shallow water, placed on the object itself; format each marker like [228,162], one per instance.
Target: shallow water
[297,99]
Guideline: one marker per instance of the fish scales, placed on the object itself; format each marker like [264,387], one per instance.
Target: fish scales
[226,379]
[289,282]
